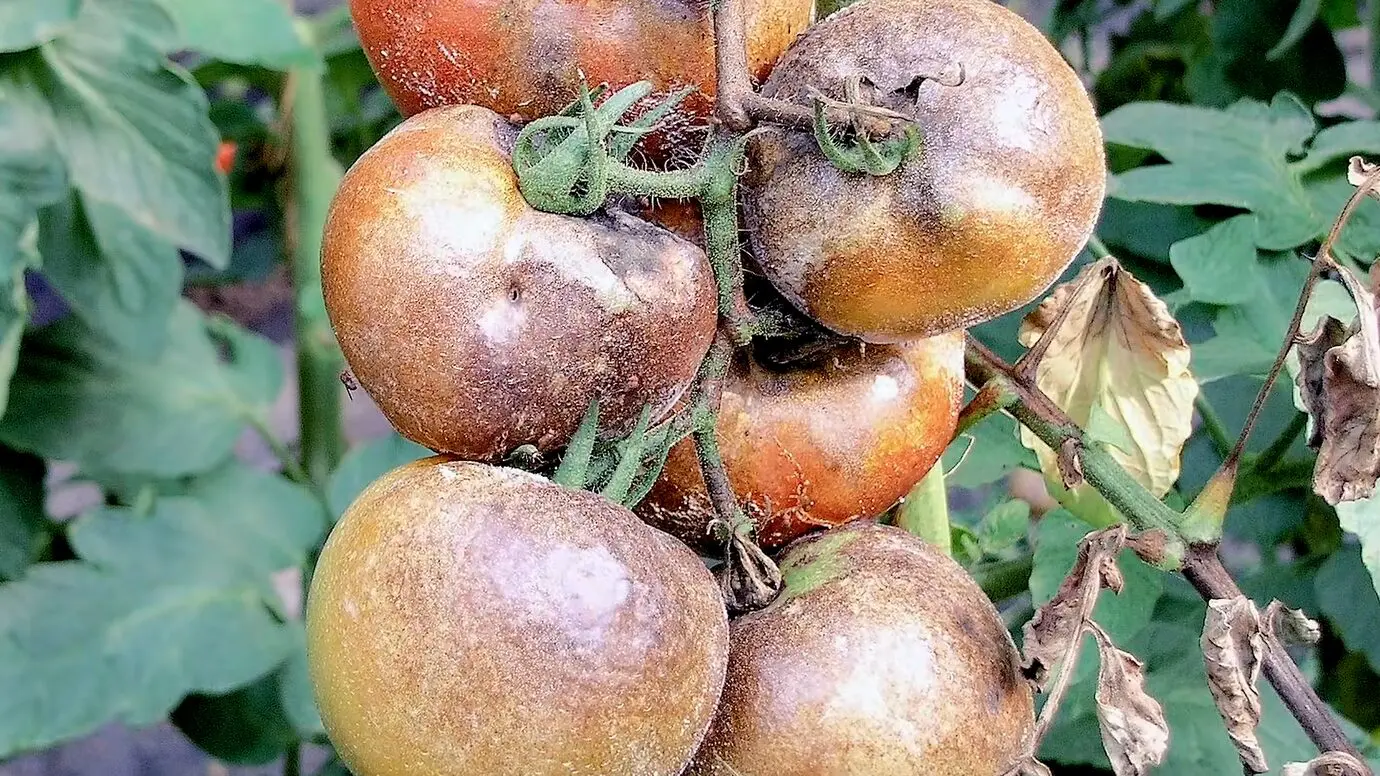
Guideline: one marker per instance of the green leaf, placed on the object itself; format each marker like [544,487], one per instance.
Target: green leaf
[1299,24]
[75,398]
[366,463]
[1363,519]
[1347,595]
[1004,526]
[132,129]
[1236,157]
[23,522]
[987,452]
[1339,142]
[121,279]
[1167,8]
[161,605]
[27,23]
[295,694]
[1056,549]
[1218,266]
[250,32]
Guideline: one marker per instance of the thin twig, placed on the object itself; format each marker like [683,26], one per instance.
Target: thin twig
[1321,264]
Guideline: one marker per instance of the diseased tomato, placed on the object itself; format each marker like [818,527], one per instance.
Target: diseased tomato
[1004,193]
[882,657]
[479,324]
[820,445]
[467,619]
[524,58]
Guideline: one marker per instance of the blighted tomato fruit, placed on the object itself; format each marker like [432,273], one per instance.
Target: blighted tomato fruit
[819,445]
[479,324]
[881,657]
[1002,195]
[526,58]
[466,619]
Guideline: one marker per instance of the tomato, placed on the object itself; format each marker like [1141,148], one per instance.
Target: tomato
[881,657]
[1004,193]
[479,324]
[225,157]
[524,58]
[467,619]
[820,445]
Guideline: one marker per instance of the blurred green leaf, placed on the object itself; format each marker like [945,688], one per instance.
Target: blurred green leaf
[1363,519]
[1004,526]
[177,601]
[1346,593]
[295,694]
[118,277]
[987,452]
[1218,266]
[1146,229]
[75,398]
[1056,549]
[132,129]
[252,32]
[366,463]
[1299,25]
[1237,64]
[23,522]
[27,23]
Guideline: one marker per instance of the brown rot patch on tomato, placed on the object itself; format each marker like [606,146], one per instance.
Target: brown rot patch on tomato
[479,324]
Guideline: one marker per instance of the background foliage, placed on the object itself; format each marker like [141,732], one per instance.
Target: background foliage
[1227,144]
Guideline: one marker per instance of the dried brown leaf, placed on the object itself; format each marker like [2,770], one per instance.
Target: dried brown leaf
[1339,380]
[1357,170]
[1134,731]
[1328,764]
[1120,353]
[1232,645]
[1290,626]
[1057,626]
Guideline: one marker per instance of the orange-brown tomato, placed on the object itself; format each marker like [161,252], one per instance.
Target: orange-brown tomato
[466,619]
[1002,195]
[479,324]
[524,58]
[823,445]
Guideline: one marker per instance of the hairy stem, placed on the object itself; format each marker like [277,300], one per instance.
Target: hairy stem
[925,512]
[315,174]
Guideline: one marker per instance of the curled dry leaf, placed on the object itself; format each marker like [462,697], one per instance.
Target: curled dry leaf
[1328,764]
[1118,350]
[1358,170]
[1290,626]
[1232,644]
[1339,380]
[1134,731]
[1054,632]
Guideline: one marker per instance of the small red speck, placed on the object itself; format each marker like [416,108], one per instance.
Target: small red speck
[225,157]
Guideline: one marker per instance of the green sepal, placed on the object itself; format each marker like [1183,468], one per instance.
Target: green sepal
[573,471]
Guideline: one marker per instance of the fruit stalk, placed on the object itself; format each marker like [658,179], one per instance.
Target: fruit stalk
[1199,562]
[314,176]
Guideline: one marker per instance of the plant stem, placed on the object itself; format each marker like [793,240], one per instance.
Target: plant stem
[1003,579]
[925,512]
[292,761]
[1209,577]
[315,174]
[1275,453]
[1213,425]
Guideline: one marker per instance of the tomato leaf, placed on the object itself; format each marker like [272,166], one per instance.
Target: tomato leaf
[1232,645]
[75,398]
[27,23]
[987,452]
[1349,603]
[251,32]
[23,523]
[1218,266]
[1299,24]
[366,463]
[1363,519]
[160,605]
[1121,353]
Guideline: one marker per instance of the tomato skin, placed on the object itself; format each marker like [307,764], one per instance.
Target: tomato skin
[1002,196]
[479,324]
[468,619]
[882,657]
[820,446]
[523,58]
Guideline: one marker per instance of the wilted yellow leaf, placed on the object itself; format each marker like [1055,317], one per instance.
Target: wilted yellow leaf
[1118,356]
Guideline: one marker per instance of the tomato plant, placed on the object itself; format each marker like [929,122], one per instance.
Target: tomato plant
[1154,220]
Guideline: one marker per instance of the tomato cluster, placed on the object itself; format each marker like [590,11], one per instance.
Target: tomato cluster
[470,618]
